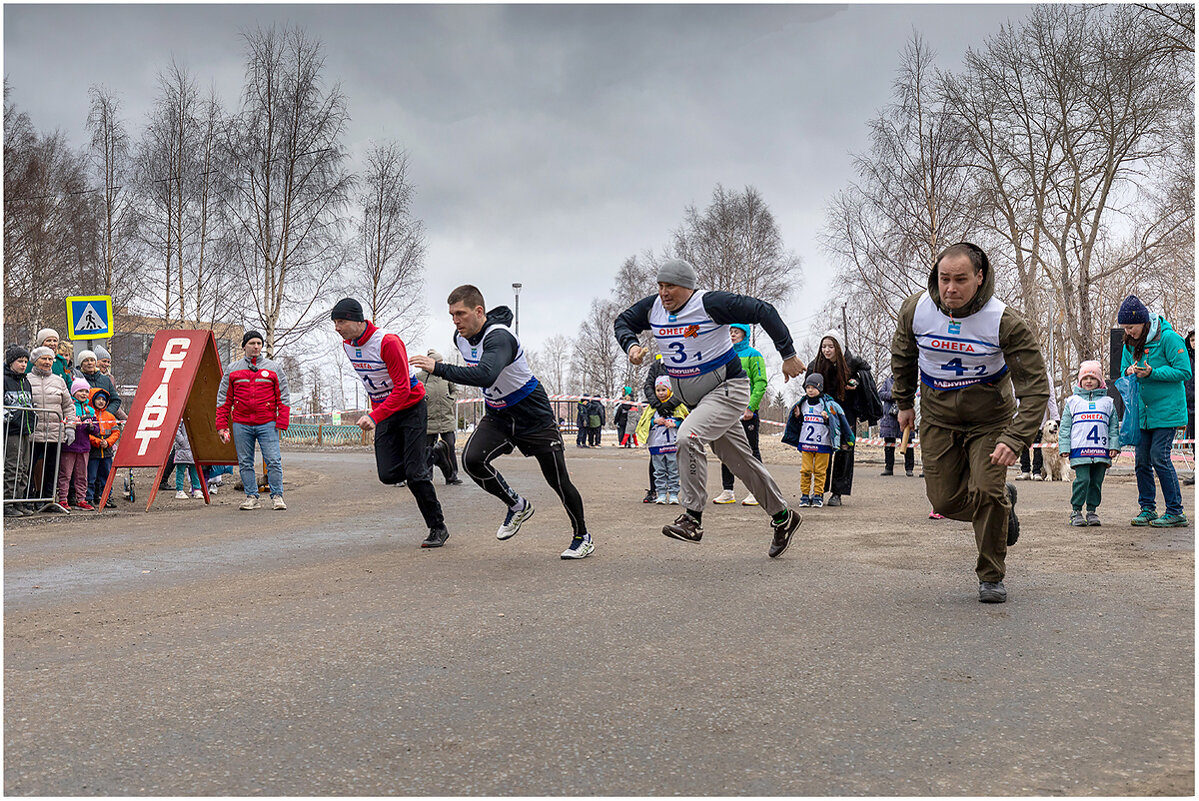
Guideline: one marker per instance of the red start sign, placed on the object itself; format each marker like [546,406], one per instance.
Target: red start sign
[179,382]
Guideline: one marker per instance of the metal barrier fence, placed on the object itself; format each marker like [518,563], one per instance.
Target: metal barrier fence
[324,434]
[25,474]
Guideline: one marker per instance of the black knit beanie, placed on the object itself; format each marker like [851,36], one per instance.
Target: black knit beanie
[348,309]
[13,353]
[250,335]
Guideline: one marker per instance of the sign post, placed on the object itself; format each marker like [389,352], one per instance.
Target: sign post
[179,382]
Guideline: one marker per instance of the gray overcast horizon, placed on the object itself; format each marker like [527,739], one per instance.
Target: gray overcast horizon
[547,143]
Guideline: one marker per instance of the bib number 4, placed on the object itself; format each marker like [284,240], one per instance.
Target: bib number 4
[957,368]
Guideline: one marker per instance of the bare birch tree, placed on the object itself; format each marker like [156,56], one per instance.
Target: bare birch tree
[112,164]
[289,187]
[735,245]
[1070,114]
[49,225]
[391,243]
[599,365]
[911,199]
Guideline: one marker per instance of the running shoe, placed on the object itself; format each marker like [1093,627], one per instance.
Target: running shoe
[992,592]
[1167,520]
[725,497]
[685,528]
[251,502]
[513,520]
[277,503]
[436,538]
[579,548]
[1144,518]
[783,532]
[750,500]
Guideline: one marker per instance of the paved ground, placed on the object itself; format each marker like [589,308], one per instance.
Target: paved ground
[320,651]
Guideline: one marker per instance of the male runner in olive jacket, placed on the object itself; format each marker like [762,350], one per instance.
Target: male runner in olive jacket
[974,356]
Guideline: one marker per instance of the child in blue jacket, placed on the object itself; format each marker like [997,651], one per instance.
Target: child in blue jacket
[817,427]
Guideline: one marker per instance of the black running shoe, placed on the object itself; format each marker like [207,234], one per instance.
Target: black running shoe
[992,592]
[685,528]
[436,538]
[783,532]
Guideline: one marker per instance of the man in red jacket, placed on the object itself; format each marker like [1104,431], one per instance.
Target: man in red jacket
[254,394]
[398,413]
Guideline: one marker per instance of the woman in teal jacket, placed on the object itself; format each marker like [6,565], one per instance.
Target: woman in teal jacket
[1157,356]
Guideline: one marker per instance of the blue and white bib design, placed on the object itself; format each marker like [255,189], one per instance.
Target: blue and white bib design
[816,436]
[690,341]
[367,360]
[1089,421]
[514,382]
[958,353]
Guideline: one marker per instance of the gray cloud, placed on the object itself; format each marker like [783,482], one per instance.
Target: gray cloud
[548,143]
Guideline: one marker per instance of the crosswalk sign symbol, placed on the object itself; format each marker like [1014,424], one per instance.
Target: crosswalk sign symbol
[90,317]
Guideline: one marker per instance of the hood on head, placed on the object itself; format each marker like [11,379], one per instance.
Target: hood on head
[984,294]
[91,396]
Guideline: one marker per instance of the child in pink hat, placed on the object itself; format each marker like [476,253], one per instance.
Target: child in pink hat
[1090,436]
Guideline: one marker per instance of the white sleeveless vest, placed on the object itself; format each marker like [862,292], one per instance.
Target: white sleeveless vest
[367,360]
[690,341]
[817,433]
[956,353]
[1089,421]
[514,382]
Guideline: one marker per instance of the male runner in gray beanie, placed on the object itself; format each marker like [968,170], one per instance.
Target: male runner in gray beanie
[692,330]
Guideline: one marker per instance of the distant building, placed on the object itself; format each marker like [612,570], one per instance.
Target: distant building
[130,346]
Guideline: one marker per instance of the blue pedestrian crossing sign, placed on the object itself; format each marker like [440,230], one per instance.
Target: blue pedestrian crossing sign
[89,317]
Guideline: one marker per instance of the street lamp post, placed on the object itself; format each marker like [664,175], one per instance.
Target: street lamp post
[516,290]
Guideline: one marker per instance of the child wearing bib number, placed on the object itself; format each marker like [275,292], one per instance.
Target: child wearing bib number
[1090,435]
[817,427]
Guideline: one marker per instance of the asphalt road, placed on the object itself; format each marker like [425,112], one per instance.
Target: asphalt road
[207,651]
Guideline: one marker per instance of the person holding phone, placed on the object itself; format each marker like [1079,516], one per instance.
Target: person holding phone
[1156,354]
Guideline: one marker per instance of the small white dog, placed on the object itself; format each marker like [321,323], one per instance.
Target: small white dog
[1055,467]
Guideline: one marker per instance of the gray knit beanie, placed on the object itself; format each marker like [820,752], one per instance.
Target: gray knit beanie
[39,352]
[44,334]
[677,272]
[101,353]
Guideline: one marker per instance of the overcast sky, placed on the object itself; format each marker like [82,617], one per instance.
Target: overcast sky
[547,143]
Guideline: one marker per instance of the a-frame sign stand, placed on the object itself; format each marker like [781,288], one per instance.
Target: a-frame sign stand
[179,382]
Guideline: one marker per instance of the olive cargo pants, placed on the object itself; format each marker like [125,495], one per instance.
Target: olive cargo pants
[962,484]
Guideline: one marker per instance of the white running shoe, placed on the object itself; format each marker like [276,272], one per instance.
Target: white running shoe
[181,496]
[278,504]
[198,494]
[251,502]
[726,496]
[579,547]
[674,500]
[662,498]
[513,520]
[750,500]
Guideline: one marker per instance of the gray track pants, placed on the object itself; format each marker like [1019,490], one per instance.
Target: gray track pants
[716,421]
